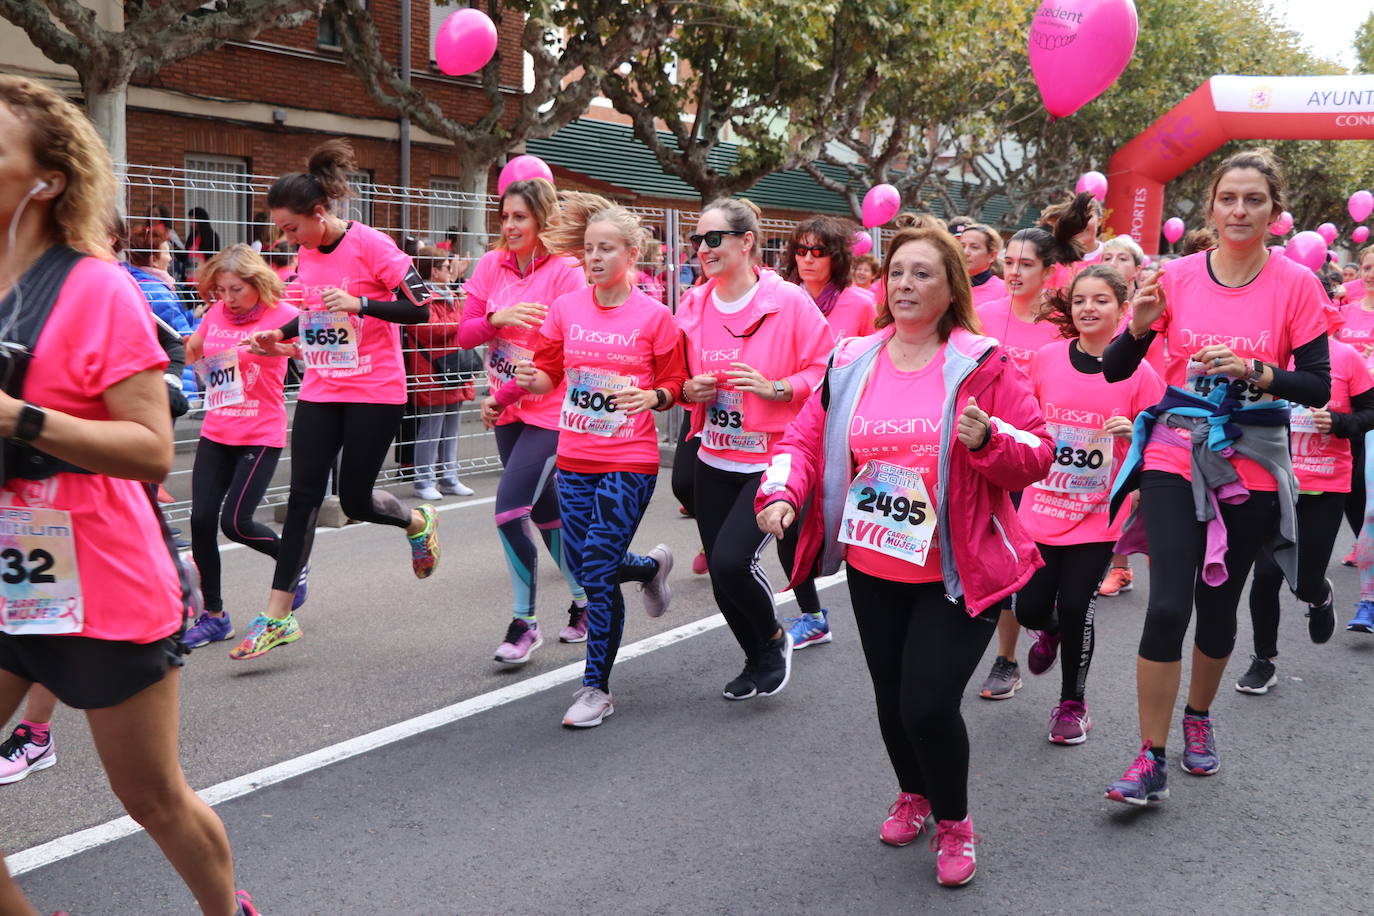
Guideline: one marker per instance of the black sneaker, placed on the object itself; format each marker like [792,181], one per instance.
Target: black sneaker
[774,665]
[1259,678]
[1003,681]
[743,686]
[1321,618]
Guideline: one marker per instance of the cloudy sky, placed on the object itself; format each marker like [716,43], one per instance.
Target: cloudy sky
[1328,26]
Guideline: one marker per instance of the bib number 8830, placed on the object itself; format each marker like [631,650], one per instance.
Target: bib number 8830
[897,508]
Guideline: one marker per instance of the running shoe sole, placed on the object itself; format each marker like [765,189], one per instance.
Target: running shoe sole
[817,640]
[1258,691]
[42,764]
[1201,772]
[206,642]
[1153,798]
[1353,627]
[1015,686]
[517,662]
[737,696]
[283,642]
[591,723]
[786,666]
[1071,742]
[564,639]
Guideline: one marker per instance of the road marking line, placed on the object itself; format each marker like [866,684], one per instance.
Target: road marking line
[102,834]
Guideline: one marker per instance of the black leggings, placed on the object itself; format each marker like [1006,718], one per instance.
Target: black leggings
[1354,500]
[1178,542]
[227,483]
[732,539]
[685,463]
[321,430]
[1319,521]
[921,651]
[1060,599]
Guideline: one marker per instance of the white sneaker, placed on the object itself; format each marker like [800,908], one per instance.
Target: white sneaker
[657,593]
[590,706]
[427,492]
[457,488]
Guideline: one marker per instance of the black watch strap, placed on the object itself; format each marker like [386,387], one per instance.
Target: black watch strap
[661,399]
[29,425]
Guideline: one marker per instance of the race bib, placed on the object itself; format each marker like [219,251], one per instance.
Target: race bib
[888,509]
[328,340]
[502,356]
[40,591]
[726,429]
[1300,420]
[223,382]
[1305,442]
[1082,460]
[1202,384]
[590,403]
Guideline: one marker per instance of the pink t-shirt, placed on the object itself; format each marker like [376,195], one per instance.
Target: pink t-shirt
[368,264]
[261,418]
[1354,292]
[497,283]
[1358,331]
[1322,462]
[853,313]
[990,290]
[99,334]
[1283,308]
[897,421]
[1070,506]
[622,341]
[1021,338]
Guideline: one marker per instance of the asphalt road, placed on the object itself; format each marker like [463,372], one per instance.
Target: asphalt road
[683,802]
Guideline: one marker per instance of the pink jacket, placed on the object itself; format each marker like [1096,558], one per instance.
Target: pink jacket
[792,342]
[985,554]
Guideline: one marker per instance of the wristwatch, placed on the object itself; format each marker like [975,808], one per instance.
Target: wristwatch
[29,425]
[661,399]
[779,389]
[1256,371]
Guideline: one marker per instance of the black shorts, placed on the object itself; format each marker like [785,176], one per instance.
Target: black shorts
[87,673]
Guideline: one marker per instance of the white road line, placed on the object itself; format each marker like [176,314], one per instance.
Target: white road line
[480,501]
[74,843]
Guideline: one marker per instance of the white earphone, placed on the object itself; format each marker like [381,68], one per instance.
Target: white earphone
[39,187]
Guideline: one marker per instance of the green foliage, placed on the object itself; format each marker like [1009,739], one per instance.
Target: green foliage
[1364,45]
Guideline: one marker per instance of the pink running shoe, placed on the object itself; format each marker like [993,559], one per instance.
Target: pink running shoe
[522,638]
[1069,723]
[905,819]
[576,630]
[1350,559]
[20,755]
[699,563]
[955,862]
[1044,652]
[245,903]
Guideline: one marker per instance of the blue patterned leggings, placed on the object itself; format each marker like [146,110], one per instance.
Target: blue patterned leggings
[600,514]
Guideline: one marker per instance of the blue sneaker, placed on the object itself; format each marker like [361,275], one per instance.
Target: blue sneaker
[208,629]
[302,587]
[1146,780]
[809,629]
[1200,746]
[1364,618]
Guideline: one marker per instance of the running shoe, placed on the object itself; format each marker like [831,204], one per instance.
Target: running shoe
[424,547]
[773,668]
[207,629]
[1363,621]
[1119,580]
[742,687]
[576,630]
[1321,618]
[1003,681]
[455,487]
[657,593]
[522,638]
[20,755]
[684,512]
[1043,653]
[245,903]
[590,708]
[302,588]
[1200,745]
[699,563]
[1259,678]
[809,629]
[906,818]
[1069,723]
[428,492]
[955,861]
[1350,559]
[1146,780]
[265,634]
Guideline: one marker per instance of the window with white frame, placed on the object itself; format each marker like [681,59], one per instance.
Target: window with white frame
[445,211]
[361,192]
[219,185]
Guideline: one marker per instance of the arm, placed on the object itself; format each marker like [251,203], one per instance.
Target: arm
[670,371]
[1124,354]
[1359,421]
[195,347]
[815,340]
[1308,382]
[1017,451]
[475,328]
[797,464]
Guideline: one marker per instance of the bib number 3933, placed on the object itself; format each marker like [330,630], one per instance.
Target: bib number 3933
[40,591]
[888,509]
[223,383]
[1082,460]
[589,406]
[328,340]
[725,428]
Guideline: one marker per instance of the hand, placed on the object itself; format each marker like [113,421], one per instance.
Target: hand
[336,300]
[264,343]
[1119,426]
[973,425]
[9,414]
[633,401]
[1219,360]
[700,388]
[776,517]
[520,315]
[491,411]
[746,378]
[525,374]
[1147,305]
[1322,418]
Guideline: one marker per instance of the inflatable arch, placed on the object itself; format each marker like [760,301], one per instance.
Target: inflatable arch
[1222,109]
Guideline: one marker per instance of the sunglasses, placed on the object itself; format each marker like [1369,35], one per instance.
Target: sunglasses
[815,251]
[713,238]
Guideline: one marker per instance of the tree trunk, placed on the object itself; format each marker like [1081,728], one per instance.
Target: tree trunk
[105,107]
[472,218]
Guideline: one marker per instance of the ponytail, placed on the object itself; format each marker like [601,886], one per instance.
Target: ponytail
[1050,249]
[325,181]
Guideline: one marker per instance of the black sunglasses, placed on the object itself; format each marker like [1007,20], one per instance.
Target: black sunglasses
[713,238]
[816,251]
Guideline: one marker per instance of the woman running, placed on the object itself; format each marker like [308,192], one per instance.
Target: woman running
[508,299]
[358,287]
[85,430]
[909,450]
[756,347]
[622,356]
[1018,322]
[1320,440]
[982,245]
[1234,315]
[1089,420]
[1358,332]
[244,429]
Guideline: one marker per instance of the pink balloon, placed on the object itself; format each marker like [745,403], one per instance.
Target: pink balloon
[880,204]
[1173,229]
[860,242]
[1333,257]
[1286,219]
[466,42]
[1078,48]
[1360,235]
[1361,204]
[522,168]
[1277,227]
[1095,183]
[1328,232]
[1308,249]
